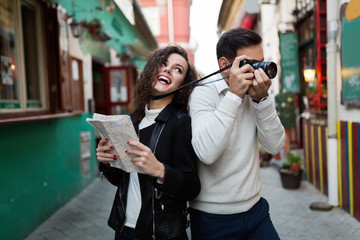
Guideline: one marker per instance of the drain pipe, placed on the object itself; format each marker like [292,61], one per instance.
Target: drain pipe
[171,21]
[332,51]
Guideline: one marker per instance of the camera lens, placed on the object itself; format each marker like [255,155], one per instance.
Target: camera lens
[269,68]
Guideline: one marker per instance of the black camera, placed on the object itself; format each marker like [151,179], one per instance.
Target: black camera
[269,68]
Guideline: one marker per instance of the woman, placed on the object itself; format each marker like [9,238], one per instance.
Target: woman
[153,205]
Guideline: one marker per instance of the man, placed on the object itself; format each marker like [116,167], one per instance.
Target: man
[229,118]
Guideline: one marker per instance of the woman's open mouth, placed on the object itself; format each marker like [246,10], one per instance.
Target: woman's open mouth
[164,80]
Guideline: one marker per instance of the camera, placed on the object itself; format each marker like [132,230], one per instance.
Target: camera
[269,68]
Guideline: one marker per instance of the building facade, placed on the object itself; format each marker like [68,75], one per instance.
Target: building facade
[61,61]
[169,22]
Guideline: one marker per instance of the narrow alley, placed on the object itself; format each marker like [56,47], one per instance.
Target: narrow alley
[85,216]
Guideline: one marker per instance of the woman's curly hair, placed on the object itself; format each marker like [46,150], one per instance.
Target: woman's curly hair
[144,85]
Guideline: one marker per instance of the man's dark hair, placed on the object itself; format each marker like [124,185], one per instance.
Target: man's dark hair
[235,39]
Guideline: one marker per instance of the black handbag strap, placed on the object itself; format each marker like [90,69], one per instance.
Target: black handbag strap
[156,135]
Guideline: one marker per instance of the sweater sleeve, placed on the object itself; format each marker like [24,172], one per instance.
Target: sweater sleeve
[212,122]
[271,133]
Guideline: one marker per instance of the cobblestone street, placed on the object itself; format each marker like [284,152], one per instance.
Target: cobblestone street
[85,216]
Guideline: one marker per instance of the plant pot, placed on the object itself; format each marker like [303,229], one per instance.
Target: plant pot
[290,179]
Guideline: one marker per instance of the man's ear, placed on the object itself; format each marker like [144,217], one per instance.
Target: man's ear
[223,62]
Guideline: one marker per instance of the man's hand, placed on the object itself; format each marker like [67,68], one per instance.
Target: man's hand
[240,79]
[260,85]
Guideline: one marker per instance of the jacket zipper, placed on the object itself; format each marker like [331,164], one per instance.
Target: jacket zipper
[153,210]
[122,205]
[154,189]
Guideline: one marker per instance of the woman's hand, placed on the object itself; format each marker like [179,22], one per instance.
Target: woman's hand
[102,154]
[143,157]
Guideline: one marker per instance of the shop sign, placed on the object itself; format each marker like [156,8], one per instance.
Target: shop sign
[289,62]
[350,51]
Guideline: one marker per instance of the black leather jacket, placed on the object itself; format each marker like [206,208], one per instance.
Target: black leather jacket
[181,182]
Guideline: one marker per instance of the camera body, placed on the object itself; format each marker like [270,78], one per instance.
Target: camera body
[269,68]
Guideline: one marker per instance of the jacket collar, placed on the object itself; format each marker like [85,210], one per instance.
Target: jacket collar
[166,113]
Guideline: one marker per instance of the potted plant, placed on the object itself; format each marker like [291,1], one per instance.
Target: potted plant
[285,108]
[291,171]
[264,156]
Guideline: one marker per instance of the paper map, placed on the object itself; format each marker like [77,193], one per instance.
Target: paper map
[120,130]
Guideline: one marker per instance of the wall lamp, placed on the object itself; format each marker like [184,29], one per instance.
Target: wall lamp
[309,74]
[76,28]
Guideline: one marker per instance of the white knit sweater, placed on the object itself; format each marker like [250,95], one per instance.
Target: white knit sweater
[226,130]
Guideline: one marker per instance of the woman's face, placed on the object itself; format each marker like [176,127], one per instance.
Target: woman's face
[171,74]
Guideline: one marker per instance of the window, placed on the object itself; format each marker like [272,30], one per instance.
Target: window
[112,90]
[9,95]
[307,54]
[38,75]
[29,16]
[22,58]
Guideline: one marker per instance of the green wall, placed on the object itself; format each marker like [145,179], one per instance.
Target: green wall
[40,171]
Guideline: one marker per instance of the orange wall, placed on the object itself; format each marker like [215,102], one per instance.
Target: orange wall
[181,20]
[181,13]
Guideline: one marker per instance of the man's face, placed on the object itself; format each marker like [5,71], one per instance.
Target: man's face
[253,52]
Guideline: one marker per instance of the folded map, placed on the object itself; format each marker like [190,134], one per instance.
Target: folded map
[119,129]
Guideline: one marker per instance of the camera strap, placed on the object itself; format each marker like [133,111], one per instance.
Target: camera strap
[193,83]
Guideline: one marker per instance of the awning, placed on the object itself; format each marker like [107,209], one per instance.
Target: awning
[117,31]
